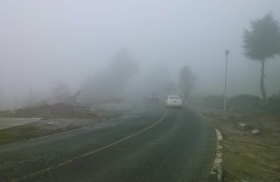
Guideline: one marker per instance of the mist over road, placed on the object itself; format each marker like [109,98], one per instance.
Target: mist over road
[147,144]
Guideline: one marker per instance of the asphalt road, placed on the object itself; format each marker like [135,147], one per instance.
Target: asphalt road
[148,144]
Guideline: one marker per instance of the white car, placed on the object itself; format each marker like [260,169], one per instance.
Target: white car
[173,101]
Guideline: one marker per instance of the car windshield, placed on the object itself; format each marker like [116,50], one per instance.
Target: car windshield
[140,90]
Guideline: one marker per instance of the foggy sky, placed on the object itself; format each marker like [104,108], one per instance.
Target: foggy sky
[44,41]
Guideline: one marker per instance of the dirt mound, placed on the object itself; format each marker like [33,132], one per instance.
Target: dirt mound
[56,111]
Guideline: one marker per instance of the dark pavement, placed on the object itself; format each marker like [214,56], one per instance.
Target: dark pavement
[147,144]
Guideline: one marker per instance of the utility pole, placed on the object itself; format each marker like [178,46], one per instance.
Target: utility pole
[227,53]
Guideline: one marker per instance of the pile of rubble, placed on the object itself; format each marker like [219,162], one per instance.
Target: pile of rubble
[56,111]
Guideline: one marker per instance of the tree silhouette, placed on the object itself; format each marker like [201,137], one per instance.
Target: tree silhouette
[188,80]
[123,67]
[261,43]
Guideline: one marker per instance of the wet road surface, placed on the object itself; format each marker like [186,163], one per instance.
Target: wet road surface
[148,144]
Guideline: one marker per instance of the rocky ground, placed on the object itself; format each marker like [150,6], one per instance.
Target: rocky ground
[250,145]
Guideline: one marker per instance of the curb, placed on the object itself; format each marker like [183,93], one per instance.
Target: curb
[217,164]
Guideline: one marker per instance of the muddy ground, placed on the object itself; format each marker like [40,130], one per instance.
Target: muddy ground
[250,145]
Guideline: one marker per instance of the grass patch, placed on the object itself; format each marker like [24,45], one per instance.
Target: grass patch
[19,133]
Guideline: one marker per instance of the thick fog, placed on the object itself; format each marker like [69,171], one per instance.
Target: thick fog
[76,41]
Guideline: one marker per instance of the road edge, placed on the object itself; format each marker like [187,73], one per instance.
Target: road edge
[217,164]
[216,172]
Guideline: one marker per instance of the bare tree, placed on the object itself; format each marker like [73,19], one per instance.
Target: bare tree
[123,67]
[60,91]
[188,80]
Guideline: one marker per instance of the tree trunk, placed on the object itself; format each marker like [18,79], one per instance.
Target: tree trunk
[262,83]
[186,94]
